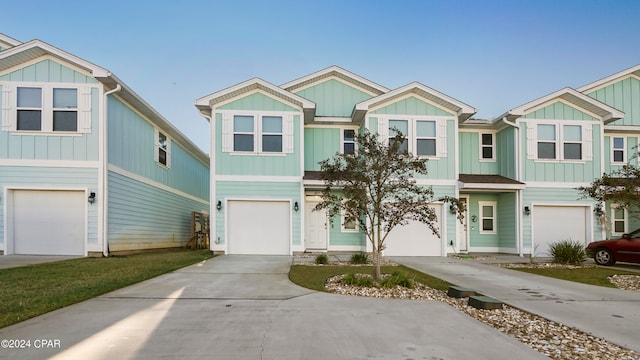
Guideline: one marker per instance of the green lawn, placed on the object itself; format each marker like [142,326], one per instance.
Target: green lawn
[30,291]
[314,277]
[589,275]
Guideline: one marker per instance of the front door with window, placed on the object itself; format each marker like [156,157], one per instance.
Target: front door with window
[463,238]
[315,229]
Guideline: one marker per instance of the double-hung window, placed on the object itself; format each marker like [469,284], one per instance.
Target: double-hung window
[348,141]
[419,137]
[400,128]
[162,148]
[243,133]
[560,142]
[272,134]
[425,138]
[257,133]
[47,109]
[618,220]
[487,217]
[487,146]
[547,141]
[618,150]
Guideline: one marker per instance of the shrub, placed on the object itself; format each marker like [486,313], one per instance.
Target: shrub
[397,279]
[359,258]
[359,280]
[567,252]
[322,259]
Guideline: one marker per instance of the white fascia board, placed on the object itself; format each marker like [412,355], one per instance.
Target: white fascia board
[337,69]
[621,128]
[304,103]
[9,40]
[491,186]
[96,70]
[608,79]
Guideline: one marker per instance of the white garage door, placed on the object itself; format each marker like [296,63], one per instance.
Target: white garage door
[258,227]
[49,222]
[555,223]
[414,239]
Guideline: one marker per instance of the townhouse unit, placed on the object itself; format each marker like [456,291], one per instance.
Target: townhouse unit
[87,167]
[517,173]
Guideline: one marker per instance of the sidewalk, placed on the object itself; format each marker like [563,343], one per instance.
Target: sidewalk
[611,314]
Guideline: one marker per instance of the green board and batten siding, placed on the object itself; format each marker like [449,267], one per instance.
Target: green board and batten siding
[48,71]
[237,190]
[559,111]
[258,164]
[622,95]
[52,178]
[470,163]
[320,144]
[333,97]
[505,152]
[132,148]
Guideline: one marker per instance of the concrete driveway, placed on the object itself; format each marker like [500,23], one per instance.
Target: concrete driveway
[244,307]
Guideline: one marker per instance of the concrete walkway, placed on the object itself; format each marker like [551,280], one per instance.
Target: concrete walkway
[608,313]
[244,307]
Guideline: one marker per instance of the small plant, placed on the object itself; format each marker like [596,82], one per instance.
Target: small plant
[397,279]
[568,252]
[322,259]
[359,280]
[359,258]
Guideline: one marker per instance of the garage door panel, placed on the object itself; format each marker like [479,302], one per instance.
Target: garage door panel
[49,222]
[414,239]
[259,227]
[556,223]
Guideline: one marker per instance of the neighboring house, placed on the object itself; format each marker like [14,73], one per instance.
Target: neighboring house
[87,167]
[517,174]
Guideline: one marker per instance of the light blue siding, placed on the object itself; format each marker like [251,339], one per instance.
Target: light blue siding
[630,152]
[257,190]
[80,146]
[470,162]
[142,216]
[132,148]
[48,71]
[562,171]
[333,97]
[257,102]
[254,164]
[505,152]
[320,144]
[52,178]
[559,111]
[412,106]
[622,95]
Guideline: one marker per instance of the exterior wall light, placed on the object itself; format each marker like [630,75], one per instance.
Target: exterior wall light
[296,207]
[92,197]
[219,205]
[527,210]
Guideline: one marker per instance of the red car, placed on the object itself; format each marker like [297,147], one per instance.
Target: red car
[607,252]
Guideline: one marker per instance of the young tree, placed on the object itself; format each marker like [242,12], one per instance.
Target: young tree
[376,187]
[621,187]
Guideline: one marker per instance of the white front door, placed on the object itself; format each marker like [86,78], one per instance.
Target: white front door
[463,239]
[315,227]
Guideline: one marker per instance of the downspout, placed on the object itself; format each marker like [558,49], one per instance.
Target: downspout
[103,175]
[518,176]
[213,231]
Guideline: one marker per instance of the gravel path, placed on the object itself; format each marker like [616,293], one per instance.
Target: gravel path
[552,339]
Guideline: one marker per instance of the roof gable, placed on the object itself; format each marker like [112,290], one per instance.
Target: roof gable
[632,71]
[334,97]
[48,69]
[445,102]
[571,97]
[559,110]
[7,42]
[356,81]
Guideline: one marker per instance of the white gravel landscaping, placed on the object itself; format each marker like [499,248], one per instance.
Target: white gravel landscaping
[554,340]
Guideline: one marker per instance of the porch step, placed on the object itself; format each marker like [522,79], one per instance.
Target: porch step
[460,292]
[484,302]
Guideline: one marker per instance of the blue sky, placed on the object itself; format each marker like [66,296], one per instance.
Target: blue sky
[493,55]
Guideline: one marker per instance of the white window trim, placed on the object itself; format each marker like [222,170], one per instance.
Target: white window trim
[586,135]
[625,220]
[343,142]
[481,216]
[481,147]
[343,221]
[157,146]
[10,108]
[613,150]
[287,132]
[441,132]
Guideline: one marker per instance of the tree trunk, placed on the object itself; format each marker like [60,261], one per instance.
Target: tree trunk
[378,274]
